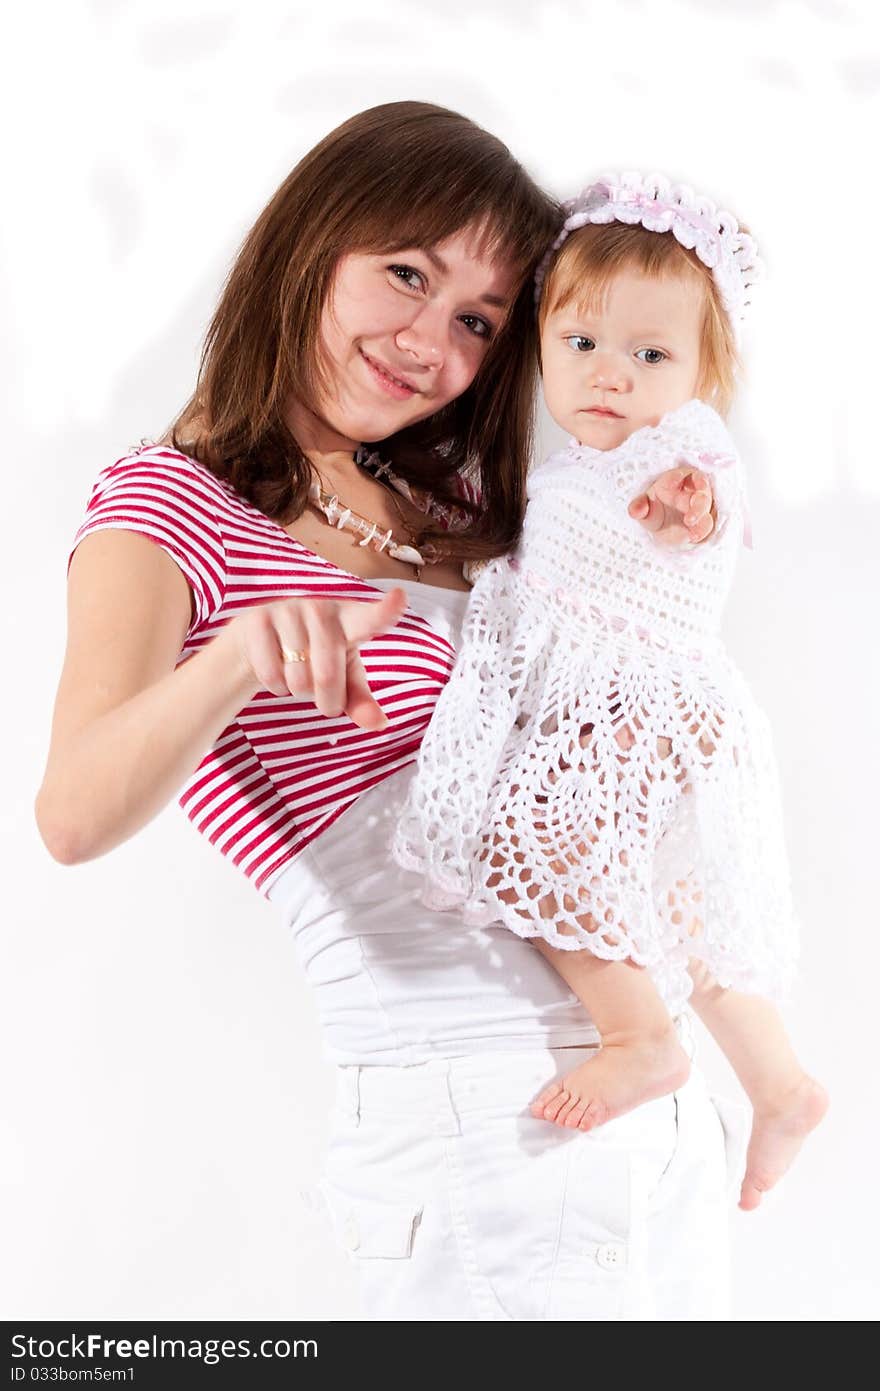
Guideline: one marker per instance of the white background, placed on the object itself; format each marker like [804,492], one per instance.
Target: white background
[165,1096]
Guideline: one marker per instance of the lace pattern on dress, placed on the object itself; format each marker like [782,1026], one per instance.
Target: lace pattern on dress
[596,771]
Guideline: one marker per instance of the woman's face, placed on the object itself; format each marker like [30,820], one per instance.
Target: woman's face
[402,335]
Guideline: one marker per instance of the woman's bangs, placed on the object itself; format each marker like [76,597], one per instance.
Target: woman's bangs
[508,222]
[427,226]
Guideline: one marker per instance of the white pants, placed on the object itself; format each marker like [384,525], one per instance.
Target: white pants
[456,1204]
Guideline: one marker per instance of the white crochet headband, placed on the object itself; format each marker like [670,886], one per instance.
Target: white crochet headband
[660,206]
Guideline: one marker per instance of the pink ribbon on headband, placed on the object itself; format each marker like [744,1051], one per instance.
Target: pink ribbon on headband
[699,221]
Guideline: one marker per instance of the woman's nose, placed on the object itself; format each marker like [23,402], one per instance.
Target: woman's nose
[424,337]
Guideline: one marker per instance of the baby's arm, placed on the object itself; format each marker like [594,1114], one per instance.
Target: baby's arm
[677,507]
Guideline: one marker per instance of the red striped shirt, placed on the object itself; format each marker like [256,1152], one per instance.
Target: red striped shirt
[281,772]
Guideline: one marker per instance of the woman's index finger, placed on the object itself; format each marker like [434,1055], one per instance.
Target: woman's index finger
[364,620]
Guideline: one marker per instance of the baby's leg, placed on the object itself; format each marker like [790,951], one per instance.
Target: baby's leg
[641,1056]
[787,1103]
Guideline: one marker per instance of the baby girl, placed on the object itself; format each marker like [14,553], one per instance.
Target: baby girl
[597,776]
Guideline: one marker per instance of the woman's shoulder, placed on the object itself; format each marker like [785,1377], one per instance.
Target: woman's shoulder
[159,483]
[155,464]
[167,496]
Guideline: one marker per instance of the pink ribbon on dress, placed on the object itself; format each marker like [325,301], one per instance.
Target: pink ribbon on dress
[710,463]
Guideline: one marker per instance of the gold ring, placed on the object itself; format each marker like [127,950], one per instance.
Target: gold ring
[293,656]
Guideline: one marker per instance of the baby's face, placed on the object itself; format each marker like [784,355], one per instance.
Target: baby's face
[621,366]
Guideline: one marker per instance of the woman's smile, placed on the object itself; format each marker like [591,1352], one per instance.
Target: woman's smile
[401,388]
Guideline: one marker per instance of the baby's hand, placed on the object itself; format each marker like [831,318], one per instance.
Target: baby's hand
[677,507]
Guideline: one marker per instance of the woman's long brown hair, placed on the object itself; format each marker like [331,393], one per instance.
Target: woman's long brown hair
[399,175]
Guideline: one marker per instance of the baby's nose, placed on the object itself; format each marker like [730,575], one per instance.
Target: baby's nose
[608,373]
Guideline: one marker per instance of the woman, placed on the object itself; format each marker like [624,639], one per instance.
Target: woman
[229,614]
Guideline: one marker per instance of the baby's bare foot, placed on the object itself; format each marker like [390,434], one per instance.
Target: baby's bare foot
[778,1131]
[626,1071]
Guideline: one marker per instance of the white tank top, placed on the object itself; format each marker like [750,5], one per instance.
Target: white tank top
[396,982]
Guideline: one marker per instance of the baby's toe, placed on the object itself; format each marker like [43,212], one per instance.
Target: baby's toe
[754,1186]
[594,1114]
[547,1095]
[575,1115]
[563,1114]
[554,1106]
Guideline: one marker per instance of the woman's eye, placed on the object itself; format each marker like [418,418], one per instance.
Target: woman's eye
[580,343]
[476,325]
[410,277]
[651,355]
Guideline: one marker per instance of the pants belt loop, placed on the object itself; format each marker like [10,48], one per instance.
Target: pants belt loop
[685,1029]
[452,1124]
[357,1095]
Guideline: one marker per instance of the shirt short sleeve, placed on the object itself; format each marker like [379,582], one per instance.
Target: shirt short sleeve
[174,501]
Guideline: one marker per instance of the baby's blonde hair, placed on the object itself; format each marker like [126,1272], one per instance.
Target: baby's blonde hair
[591,256]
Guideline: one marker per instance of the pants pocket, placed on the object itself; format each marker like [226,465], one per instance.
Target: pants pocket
[592,1271]
[369,1228]
[542,1218]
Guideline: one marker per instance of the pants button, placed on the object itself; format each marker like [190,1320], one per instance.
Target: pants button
[612,1256]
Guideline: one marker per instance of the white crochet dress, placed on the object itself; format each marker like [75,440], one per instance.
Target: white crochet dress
[596,772]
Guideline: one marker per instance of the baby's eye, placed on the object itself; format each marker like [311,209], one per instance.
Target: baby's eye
[410,277]
[652,355]
[580,343]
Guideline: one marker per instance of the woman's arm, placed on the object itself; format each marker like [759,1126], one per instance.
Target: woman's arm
[129,727]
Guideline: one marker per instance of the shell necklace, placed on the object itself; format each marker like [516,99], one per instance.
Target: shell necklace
[344,519]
